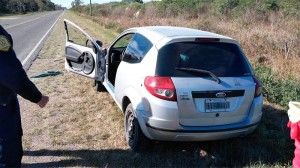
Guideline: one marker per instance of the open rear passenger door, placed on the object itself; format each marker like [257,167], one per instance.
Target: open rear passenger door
[83,54]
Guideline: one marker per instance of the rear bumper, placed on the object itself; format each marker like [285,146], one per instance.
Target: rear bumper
[162,123]
[199,134]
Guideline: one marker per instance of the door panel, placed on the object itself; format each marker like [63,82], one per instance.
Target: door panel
[72,54]
[82,53]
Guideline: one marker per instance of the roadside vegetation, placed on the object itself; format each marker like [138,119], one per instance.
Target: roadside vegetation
[9,7]
[83,128]
[268,30]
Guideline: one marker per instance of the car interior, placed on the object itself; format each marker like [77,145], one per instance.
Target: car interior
[114,60]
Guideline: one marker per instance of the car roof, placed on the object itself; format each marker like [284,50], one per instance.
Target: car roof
[161,35]
[175,32]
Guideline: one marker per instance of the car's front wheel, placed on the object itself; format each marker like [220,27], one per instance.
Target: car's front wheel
[134,135]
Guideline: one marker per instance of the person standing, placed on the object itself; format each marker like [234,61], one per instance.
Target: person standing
[13,81]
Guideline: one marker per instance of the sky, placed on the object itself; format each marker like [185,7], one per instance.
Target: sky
[67,3]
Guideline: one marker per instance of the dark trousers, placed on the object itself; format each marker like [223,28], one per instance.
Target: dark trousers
[12,153]
[11,150]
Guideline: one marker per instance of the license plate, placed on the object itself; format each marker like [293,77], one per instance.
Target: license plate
[214,105]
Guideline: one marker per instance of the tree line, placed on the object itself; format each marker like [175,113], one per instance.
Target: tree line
[24,6]
[76,3]
[231,7]
[193,8]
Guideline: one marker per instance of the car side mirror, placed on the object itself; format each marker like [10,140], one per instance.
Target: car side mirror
[94,46]
[99,43]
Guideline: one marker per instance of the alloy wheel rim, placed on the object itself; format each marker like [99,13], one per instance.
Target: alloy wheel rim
[130,126]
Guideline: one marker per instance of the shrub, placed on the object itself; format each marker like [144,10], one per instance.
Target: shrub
[150,10]
[111,25]
[277,90]
[225,6]
[272,5]
[102,10]
[290,7]
[79,9]
[173,8]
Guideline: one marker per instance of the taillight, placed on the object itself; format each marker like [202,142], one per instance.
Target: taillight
[161,87]
[258,87]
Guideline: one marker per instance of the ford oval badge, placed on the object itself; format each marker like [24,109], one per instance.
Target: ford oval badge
[221,94]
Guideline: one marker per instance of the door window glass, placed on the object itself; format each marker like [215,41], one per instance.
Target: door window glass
[123,41]
[137,49]
[77,37]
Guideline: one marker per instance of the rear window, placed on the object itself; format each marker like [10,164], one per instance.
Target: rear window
[222,59]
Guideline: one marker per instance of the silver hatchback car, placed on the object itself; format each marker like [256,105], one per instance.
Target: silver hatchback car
[171,83]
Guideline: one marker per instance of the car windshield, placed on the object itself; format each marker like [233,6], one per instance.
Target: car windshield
[219,58]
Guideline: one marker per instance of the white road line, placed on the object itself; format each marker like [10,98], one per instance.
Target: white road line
[33,50]
[8,18]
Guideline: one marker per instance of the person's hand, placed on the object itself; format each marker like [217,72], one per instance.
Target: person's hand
[44,100]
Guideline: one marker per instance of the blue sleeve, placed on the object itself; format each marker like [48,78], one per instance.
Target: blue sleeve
[14,77]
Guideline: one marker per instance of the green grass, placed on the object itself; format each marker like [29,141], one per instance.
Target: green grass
[275,89]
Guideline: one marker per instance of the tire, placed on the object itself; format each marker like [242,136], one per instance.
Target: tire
[133,133]
[99,87]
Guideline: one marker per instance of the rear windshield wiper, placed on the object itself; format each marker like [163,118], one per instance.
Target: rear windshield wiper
[200,71]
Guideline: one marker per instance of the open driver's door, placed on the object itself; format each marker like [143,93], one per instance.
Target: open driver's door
[83,54]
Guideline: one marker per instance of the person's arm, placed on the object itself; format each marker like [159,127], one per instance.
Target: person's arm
[14,77]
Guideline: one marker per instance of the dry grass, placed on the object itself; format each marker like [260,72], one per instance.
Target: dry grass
[82,128]
[76,117]
[271,40]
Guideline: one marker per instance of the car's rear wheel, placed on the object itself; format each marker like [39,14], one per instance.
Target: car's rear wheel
[134,135]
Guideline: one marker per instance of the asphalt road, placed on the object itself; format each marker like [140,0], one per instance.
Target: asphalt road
[29,33]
